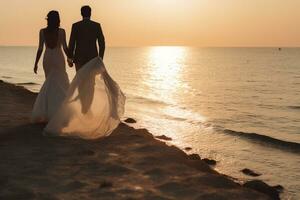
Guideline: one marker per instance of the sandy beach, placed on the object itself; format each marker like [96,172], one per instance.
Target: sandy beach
[129,164]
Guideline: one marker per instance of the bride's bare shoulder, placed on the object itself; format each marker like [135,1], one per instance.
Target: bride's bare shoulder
[41,32]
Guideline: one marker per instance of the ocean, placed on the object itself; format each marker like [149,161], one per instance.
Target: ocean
[239,106]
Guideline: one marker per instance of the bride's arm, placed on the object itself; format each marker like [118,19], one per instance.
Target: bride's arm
[39,51]
[64,43]
[65,47]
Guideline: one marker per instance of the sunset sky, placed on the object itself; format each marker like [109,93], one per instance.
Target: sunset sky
[162,22]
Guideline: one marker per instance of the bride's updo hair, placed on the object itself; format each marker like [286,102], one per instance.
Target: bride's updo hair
[51,31]
[53,20]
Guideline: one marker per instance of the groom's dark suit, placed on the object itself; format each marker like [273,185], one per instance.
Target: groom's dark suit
[83,39]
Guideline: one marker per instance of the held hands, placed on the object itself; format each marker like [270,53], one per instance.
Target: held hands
[70,62]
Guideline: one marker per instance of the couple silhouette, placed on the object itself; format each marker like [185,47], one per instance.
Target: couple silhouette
[84,37]
[92,105]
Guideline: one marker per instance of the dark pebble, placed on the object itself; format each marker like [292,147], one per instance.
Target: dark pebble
[209,161]
[194,157]
[279,188]
[249,172]
[163,137]
[187,148]
[130,120]
[262,187]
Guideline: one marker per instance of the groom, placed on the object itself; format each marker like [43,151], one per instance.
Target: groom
[84,36]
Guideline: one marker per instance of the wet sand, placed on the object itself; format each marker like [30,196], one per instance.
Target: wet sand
[129,164]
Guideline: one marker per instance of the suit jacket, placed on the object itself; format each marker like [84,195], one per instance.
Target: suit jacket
[83,39]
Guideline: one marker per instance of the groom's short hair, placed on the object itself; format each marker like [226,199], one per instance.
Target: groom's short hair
[86,11]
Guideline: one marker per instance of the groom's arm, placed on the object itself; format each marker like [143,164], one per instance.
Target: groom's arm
[101,42]
[72,43]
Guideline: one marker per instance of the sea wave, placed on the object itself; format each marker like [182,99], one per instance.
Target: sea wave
[142,99]
[259,138]
[7,77]
[27,83]
[294,107]
[181,114]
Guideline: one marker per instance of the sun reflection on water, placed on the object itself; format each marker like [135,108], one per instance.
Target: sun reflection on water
[166,65]
[166,83]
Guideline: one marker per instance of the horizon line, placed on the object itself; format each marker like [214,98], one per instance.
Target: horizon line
[190,46]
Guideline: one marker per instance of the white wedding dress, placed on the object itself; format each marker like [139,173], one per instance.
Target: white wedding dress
[93,105]
[90,107]
[55,87]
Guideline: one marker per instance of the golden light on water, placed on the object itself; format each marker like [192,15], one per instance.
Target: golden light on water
[166,82]
[165,58]
[165,67]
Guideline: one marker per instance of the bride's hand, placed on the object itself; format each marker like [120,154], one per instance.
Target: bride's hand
[70,62]
[35,69]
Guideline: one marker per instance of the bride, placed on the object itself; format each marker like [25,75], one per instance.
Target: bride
[90,107]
